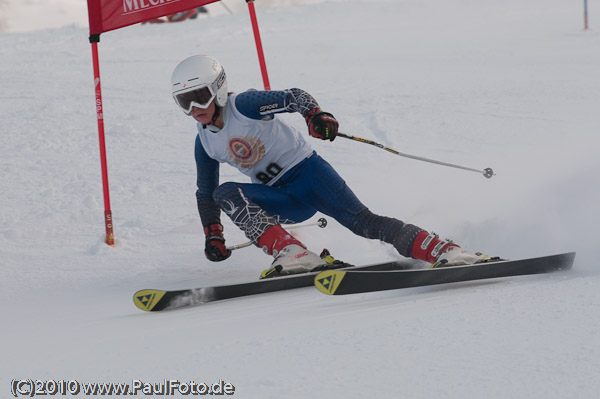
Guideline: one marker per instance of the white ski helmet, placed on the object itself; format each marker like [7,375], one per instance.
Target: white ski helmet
[197,81]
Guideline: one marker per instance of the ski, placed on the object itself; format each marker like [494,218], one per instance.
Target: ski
[154,300]
[343,282]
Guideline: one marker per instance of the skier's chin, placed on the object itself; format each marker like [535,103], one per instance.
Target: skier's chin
[203,119]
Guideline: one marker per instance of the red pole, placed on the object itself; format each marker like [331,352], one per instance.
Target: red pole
[585,15]
[110,239]
[259,49]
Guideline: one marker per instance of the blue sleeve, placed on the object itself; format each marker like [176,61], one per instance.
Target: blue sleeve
[262,105]
[207,180]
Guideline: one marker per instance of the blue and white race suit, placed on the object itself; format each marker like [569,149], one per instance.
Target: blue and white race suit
[289,181]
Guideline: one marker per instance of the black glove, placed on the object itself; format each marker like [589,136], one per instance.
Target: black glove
[214,248]
[321,125]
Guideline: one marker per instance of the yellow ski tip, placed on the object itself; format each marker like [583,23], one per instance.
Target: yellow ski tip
[147,299]
[328,281]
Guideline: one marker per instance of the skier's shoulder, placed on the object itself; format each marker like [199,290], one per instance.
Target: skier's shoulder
[199,150]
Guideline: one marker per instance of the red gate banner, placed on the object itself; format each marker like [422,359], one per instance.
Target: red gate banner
[106,15]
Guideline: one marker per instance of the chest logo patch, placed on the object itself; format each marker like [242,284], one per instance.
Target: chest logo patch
[246,151]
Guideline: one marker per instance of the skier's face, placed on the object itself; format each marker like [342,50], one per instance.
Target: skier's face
[203,116]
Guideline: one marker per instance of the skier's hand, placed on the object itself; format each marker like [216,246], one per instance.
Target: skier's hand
[214,248]
[321,125]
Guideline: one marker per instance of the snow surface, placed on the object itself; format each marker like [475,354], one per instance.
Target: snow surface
[511,85]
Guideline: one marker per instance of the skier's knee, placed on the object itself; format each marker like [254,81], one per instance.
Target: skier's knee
[226,191]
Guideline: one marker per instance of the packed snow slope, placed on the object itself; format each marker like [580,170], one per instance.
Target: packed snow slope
[510,85]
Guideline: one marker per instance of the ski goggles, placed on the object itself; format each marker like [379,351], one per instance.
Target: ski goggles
[200,97]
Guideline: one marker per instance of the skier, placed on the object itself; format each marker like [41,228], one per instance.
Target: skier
[290,182]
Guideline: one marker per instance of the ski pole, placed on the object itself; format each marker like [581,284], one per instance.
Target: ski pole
[322,223]
[487,172]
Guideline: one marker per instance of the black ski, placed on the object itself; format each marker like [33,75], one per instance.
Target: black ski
[342,282]
[154,300]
